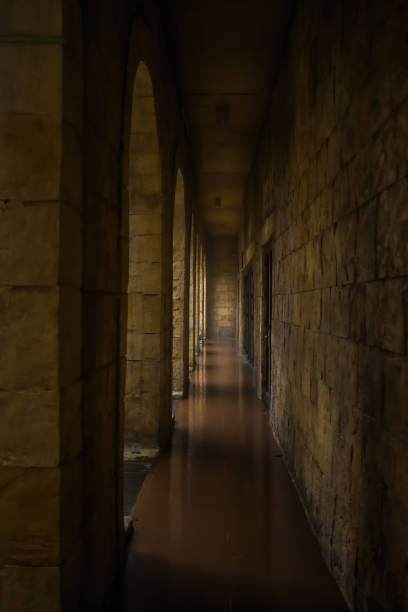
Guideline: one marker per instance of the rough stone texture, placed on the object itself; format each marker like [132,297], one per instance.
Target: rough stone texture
[222,286]
[65,240]
[180,329]
[203,300]
[24,589]
[128,263]
[197,289]
[197,295]
[192,300]
[144,322]
[328,193]
[40,304]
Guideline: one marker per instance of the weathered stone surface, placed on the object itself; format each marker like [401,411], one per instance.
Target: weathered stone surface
[152,305]
[26,589]
[145,249]
[98,397]
[29,355]
[101,245]
[71,185]
[29,435]
[101,312]
[71,505]
[142,418]
[42,17]
[20,92]
[328,255]
[64,218]
[366,240]
[70,418]
[385,315]
[336,313]
[70,247]
[135,303]
[345,240]
[222,290]
[30,255]
[140,225]
[392,231]
[70,335]
[145,278]
[42,182]
[35,541]
[395,381]
[143,346]
[330,196]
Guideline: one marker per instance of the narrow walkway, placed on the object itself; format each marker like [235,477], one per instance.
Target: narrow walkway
[218,525]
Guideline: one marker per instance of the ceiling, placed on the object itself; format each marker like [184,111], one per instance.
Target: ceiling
[226,54]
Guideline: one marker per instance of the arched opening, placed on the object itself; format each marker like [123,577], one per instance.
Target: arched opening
[179,336]
[146,406]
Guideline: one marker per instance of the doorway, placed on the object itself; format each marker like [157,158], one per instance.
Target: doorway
[267,324]
[248,311]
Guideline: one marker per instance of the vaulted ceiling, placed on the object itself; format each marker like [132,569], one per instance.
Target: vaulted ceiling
[226,54]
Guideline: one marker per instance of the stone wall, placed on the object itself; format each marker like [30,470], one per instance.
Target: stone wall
[41,221]
[180,297]
[144,229]
[192,331]
[328,194]
[65,69]
[222,286]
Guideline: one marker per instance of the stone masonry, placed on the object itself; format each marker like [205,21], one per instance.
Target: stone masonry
[67,218]
[222,286]
[179,291]
[329,195]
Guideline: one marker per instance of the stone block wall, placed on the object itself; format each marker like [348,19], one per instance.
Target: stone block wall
[64,255]
[180,297]
[41,212]
[128,263]
[143,226]
[329,195]
[192,301]
[222,255]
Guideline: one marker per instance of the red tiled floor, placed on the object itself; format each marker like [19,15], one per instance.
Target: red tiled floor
[218,525]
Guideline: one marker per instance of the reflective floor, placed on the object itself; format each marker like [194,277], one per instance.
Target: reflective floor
[218,525]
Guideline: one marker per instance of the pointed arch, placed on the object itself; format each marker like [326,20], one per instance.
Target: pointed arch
[146,408]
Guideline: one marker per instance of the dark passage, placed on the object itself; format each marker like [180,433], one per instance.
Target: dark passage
[218,525]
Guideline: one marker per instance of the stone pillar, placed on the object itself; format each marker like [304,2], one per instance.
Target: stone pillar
[197,296]
[191,352]
[205,296]
[40,307]
[179,239]
[201,327]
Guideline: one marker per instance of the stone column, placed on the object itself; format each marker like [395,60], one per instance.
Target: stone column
[191,352]
[205,296]
[145,389]
[197,296]
[40,307]
[179,239]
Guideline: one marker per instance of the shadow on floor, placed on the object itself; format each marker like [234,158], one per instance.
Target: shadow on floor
[158,586]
